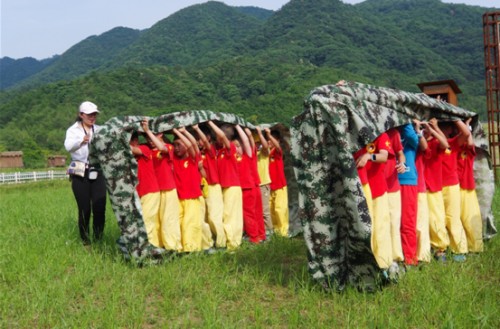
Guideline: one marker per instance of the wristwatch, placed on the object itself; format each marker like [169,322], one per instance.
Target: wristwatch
[374,157]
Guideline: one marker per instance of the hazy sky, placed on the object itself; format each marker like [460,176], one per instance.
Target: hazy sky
[43,28]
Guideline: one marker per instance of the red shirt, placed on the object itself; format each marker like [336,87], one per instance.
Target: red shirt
[363,176]
[255,167]
[433,171]
[146,172]
[187,177]
[420,166]
[376,171]
[227,167]
[465,167]
[450,173]
[244,167]
[163,168]
[276,169]
[209,158]
[390,166]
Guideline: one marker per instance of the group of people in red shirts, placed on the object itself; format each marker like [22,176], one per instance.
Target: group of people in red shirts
[420,191]
[211,191]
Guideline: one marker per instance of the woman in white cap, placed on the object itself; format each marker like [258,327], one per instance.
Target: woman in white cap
[87,182]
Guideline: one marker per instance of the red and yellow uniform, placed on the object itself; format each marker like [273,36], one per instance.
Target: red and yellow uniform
[423,238]
[149,193]
[394,194]
[170,229]
[434,184]
[381,220]
[279,192]
[451,198]
[232,195]
[470,213]
[213,197]
[187,180]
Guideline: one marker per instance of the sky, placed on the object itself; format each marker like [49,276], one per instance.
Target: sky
[44,28]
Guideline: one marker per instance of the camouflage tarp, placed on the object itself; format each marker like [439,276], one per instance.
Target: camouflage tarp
[338,120]
[111,151]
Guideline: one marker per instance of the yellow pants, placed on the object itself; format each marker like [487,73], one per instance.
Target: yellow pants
[437,224]
[470,214]
[423,238]
[150,204]
[207,240]
[395,213]
[190,214]
[233,216]
[458,239]
[368,197]
[278,204]
[381,232]
[215,214]
[169,220]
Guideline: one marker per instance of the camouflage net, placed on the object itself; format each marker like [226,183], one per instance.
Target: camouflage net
[326,199]
[338,120]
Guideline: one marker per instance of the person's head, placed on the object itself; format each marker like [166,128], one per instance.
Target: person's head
[180,149]
[239,148]
[134,139]
[228,130]
[448,128]
[87,113]
[276,134]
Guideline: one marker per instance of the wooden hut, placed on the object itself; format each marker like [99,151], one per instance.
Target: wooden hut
[11,159]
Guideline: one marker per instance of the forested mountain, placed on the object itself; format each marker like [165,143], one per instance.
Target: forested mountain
[12,71]
[254,62]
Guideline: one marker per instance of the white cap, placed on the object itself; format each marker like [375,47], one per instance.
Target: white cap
[88,108]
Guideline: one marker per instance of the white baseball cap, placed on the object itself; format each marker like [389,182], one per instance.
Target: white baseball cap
[88,108]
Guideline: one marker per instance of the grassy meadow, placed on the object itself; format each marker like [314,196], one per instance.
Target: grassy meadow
[49,280]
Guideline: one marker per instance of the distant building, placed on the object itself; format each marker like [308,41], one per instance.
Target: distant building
[11,159]
[56,161]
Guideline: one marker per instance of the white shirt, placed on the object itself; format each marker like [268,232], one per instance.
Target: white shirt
[73,141]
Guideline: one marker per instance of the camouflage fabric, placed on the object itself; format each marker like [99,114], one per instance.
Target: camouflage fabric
[338,120]
[485,181]
[111,152]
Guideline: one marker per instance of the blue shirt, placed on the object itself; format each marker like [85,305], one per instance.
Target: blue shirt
[409,139]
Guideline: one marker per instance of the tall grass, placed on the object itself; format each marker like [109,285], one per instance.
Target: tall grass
[49,280]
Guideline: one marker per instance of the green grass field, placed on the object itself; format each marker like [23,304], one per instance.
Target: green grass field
[49,280]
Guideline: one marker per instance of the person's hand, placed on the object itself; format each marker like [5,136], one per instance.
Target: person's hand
[400,168]
[145,125]
[362,160]
[85,140]
[258,129]
[195,126]
[267,130]
[433,122]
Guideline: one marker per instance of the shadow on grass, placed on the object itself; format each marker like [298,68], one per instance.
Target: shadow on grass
[280,260]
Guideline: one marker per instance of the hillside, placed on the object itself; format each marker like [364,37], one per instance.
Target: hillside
[252,62]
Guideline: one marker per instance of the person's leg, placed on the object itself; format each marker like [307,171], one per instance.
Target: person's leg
[81,191]
[150,208]
[233,216]
[215,214]
[458,239]
[381,232]
[191,229]
[265,191]
[437,227]
[409,223]
[279,211]
[423,238]
[170,227]
[471,220]
[98,195]
[395,213]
